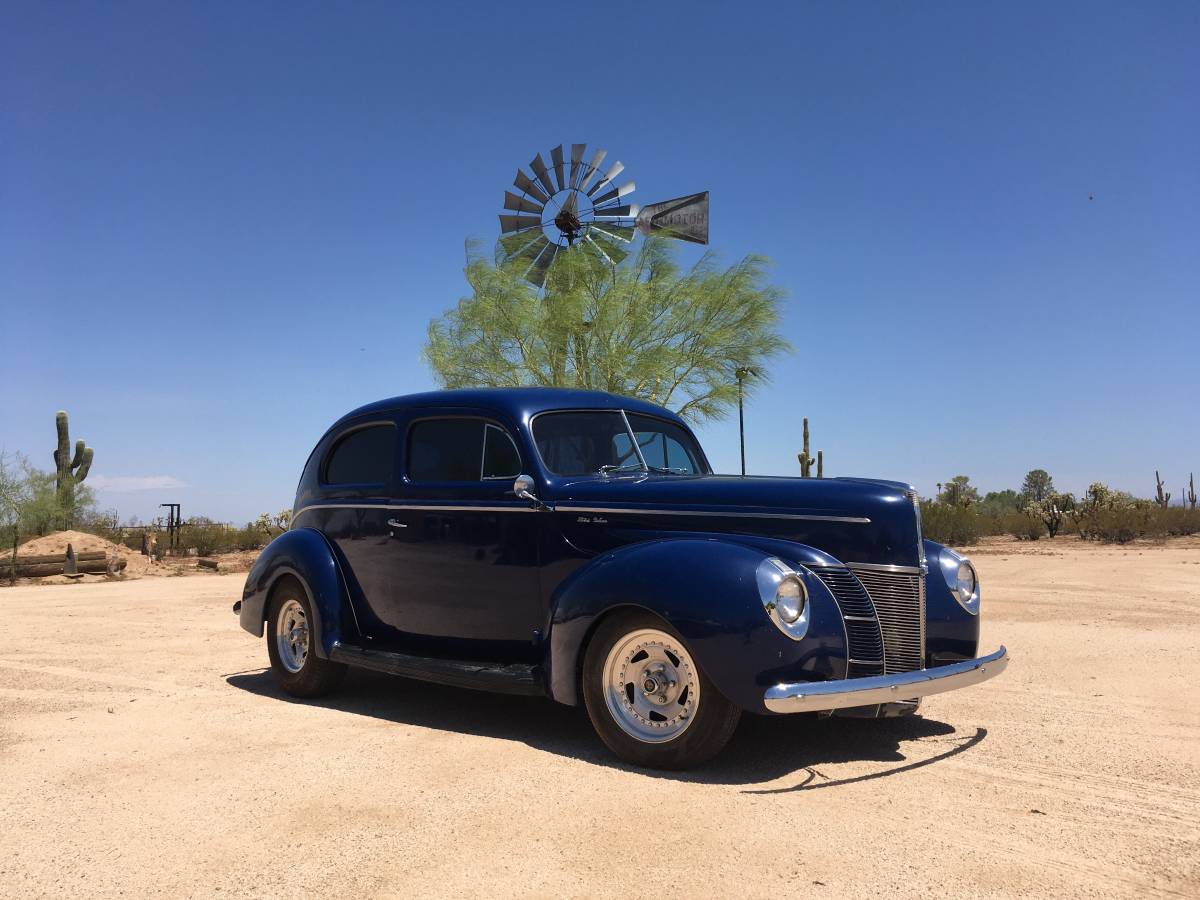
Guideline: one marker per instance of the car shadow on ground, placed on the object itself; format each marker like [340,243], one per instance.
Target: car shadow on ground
[764,748]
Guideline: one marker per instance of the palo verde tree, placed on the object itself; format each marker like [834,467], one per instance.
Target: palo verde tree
[647,328]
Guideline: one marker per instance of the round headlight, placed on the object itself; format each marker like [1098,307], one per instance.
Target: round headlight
[966,580]
[789,599]
[784,596]
[961,579]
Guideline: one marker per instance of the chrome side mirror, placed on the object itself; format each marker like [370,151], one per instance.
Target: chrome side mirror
[523,488]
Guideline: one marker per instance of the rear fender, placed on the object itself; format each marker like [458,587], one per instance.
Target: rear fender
[305,554]
[707,590]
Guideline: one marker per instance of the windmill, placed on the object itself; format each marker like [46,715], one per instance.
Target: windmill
[572,204]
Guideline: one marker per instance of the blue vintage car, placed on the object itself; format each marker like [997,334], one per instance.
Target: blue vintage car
[577,545]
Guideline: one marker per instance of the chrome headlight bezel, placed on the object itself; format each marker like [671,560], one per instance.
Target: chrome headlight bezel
[962,579]
[774,577]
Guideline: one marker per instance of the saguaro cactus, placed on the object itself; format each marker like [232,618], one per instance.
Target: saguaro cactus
[71,470]
[1160,498]
[1190,494]
[807,459]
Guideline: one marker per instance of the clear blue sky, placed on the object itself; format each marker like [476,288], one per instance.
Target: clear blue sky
[223,225]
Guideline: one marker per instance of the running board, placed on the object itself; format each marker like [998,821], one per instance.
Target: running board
[480,676]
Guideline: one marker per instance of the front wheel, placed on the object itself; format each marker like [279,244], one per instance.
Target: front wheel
[290,643]
[648,700]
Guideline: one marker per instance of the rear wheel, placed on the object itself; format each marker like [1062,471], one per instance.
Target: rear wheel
[291,642]
[648,700]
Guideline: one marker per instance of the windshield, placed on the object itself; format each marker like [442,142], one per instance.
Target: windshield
[587,443]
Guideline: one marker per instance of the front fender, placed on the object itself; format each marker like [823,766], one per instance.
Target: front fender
[951,633]
[707,590]
[305,554]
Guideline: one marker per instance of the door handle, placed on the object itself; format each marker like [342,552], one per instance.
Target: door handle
[393,523]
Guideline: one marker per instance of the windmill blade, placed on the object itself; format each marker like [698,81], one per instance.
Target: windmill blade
[614,170]
[518,223]
[608,196]
[537,272]
[593,167]
[576,162]
[514,245]
[684,218]
[534,248]
[556,157]
[512,201]
[616,212]
[538,165]
[607,249]
[525,185]
[620,232]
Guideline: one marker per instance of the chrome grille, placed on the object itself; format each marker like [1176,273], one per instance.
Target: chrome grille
[899,600]
[864,643]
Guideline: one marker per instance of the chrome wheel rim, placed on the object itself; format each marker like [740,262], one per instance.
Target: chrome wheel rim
[291,636]
[651,686]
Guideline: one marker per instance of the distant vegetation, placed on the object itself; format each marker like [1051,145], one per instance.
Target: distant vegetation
[958,515]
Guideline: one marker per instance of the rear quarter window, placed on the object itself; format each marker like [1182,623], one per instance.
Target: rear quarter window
[364,456]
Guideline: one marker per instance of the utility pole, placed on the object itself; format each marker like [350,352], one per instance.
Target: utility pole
[742,373]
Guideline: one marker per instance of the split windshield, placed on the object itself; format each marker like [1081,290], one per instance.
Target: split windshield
[608,442]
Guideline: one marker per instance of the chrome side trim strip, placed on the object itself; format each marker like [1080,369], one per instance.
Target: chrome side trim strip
[614,510]
[413,506]
[652,511]
[860,618]
[818,696]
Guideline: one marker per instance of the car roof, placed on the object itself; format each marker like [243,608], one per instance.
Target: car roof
[519,403]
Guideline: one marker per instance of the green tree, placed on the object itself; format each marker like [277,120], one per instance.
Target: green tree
[646,328]
[958,491]
[1038,485]
[14,494]
[1000,503]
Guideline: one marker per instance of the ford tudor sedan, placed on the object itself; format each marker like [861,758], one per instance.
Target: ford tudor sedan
[577,545]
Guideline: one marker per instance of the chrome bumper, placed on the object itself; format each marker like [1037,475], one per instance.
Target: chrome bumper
[818,696]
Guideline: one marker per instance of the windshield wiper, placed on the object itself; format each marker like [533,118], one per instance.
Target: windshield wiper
[610,469]
[667,470]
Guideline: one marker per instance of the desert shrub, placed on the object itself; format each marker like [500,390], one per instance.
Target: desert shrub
[206,536]
[249,538]
[1176,520]
[1119,525]
[949,523]
[1023,527]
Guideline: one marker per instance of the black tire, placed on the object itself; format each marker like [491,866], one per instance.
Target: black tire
[712,723]
[315,677]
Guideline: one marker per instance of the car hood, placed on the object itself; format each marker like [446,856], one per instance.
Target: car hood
[853,519]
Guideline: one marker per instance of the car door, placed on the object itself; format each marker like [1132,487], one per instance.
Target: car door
[464,550]
[357,475]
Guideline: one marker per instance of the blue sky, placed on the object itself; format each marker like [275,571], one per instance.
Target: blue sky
[223,225]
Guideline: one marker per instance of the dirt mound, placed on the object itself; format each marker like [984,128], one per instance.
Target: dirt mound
[82,542]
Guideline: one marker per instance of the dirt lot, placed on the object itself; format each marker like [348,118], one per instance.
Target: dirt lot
[144,751]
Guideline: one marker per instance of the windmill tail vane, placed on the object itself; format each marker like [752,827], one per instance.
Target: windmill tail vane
[572,204]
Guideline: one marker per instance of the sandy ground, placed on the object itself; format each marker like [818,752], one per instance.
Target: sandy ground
[144,752]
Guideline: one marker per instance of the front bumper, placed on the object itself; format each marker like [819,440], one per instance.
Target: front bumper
[818,696]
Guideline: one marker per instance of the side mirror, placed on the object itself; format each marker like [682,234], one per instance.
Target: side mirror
[523,488]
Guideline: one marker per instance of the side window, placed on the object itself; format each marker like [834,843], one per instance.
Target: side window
[500,456]
[445,450]
[362,457]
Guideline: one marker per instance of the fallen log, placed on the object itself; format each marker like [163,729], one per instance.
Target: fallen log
[41,570]
[55,557]
[208,564]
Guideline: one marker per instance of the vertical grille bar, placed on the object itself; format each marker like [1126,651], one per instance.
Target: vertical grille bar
[864,642]
[899,600]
